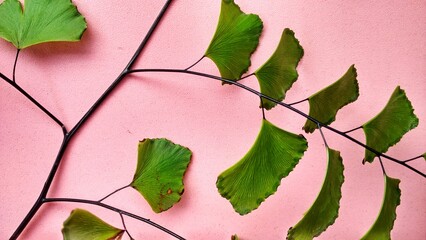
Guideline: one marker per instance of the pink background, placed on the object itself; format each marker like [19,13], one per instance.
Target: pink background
[386,41]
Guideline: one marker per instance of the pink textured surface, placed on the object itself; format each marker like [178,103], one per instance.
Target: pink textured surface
[384,39]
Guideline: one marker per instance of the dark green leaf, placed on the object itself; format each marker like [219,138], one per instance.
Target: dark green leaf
[159,173]
[279,73]
[82,225]
[258,174]
[390,125]
[40,21]
[325,209]
[235,237]
[384,223]
[324,104]
[236,37]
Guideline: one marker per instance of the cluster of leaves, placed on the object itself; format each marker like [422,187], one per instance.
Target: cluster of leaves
[275,153]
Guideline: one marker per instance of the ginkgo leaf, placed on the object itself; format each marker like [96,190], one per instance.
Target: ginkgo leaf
[384,223]
[159,172]
[424,156]
[83,225]
[324,104]
[325,209]
[40,21]
[258,174]
[236,37]
[390,125]
[279,73]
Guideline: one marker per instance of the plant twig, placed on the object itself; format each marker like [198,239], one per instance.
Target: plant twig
[353,130]
[115,191]
[103,205]
[263,108]
[125,228]
[35,102]
[199,60]
[68,136]
[14,65]
[412,159]
[317,122]
[295,103]
[322,136]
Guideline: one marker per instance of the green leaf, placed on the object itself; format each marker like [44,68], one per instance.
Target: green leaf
[159,173]
[384,223]
[83,225]
[390,125]
[235,237]
[40,21]
[324,104]
[279,73]
[325,209]
[424,156]
[258,174]
[236,38]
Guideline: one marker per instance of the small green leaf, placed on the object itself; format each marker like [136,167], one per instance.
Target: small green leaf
[325,209]
[235,237]
[324,104]
[82,225]
[279,73]
[258,174]
[159,173]
[40,21]
[390,125]
[424,156]
[384,223]
[236,38]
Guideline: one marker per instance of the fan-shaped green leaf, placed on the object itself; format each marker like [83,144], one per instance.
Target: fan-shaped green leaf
[384,223]
[235,237]
[82,225]
[258,174]
[159,173]
[324,104]
[40,21]
[236,37]
[279,73]
[390,125]
[325,209]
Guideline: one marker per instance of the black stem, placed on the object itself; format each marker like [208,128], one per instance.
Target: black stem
[381,165]
[304,100]
[246,76]
[115,191]
[262,106]
[199,60]
[109,207]
[322,135]
[414,158]
[317,122]
[125,228]
[35,102]
[69,135]
[353,130]
[14,65]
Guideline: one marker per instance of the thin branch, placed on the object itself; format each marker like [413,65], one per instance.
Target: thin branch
[247,76]
[412,159]
[381,164]
[322,135]
[295,103]
[199,60]
[353,130]
[14,65]
[317,122]
[35,102]
[109,195]
[262,107]
[125,228]
[69,135]
[109,207]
